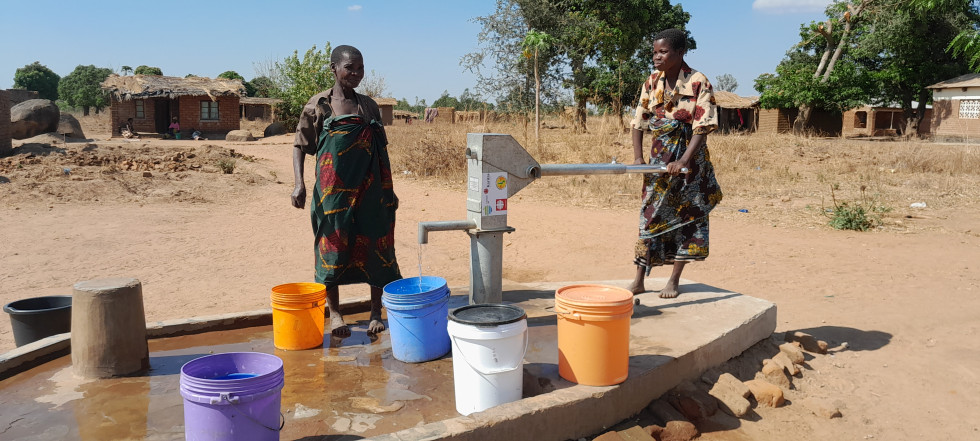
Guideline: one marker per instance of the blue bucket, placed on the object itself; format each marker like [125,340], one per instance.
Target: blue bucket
[418,311]
[232,397]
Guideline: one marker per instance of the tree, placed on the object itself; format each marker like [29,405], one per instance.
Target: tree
[126,70]
[446,100]
[902,54]
[297,79]
[147,70]
[83,88]
[726,82]
[373,85]
[38,77]
[262,86]
[966,44]
[231,75]
[534,43]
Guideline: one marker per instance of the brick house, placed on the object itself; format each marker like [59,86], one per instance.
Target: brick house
[209,105]
[736,113]
[880,121]
[6,146]
[822,122]
[956,108]
[387,106]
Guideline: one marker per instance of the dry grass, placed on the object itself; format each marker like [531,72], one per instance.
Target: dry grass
[782,178]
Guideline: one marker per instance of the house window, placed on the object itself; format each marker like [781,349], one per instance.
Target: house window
[140,113]
[209,110]
[860,120]
[970,109]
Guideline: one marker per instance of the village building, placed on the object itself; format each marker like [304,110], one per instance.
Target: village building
[822,122]
[880,120]
[258,116]
[956,108]
[736,113]
[205,104]
[6,144]
[387,106]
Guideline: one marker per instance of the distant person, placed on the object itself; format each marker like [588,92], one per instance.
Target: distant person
[677,105]
[127,130]
[353,204]
[408,119]
[174,128]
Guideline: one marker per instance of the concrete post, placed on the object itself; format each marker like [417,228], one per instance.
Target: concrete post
[108,328]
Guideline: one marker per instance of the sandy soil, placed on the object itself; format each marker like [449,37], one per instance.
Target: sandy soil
[205,242]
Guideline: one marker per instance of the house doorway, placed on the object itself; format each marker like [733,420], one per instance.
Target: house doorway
[161,112]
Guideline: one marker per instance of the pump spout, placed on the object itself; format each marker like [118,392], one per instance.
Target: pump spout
[426,227]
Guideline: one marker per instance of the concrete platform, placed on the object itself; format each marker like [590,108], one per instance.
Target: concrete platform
[353,388]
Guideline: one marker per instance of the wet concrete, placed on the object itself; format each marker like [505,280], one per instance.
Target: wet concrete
[353,388]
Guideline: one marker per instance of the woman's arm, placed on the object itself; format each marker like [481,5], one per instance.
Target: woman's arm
[299,165]
[637,146]
[693,146]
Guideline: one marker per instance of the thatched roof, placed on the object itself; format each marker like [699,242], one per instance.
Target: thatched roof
[729,100]
[158,86]
[385,101]
[968,80]
[262,101]
[403,113]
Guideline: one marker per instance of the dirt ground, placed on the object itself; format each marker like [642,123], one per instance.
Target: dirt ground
[203,242]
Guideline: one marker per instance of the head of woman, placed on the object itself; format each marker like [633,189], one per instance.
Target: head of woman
[347,65]
[669,47]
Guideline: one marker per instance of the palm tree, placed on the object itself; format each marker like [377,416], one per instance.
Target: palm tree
[126,70]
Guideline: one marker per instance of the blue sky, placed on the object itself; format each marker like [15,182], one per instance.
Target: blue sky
[415,45]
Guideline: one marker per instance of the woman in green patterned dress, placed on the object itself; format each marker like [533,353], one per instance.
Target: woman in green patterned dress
[677,106]
[353,205]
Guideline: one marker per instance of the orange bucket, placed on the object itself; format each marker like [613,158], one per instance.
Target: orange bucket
[297,315]
[593,333]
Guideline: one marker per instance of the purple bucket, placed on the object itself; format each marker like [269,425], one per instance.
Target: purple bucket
[232,396]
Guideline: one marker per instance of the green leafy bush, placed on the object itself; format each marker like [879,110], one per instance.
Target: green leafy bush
[860,215]
[227,166]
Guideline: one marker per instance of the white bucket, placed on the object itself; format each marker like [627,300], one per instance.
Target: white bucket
[488,358]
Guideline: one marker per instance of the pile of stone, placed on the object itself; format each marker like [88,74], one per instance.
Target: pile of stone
[767,379]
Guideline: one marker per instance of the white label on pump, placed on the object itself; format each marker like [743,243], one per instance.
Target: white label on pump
[494,194]
[474,184]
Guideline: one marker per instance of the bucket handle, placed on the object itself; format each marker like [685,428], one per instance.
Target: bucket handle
[520,362]
[233,400]
[561,311]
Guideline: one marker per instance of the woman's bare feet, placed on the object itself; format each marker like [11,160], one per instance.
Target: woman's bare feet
[376,325]
[670,291]
[337,326]
[637,286]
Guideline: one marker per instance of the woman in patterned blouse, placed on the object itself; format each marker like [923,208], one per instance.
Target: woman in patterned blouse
[677,106]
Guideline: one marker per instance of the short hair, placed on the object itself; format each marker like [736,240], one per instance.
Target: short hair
[339,51]
[676,38]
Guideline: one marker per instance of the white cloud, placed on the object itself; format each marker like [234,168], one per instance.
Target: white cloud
[789,6]
[354,8]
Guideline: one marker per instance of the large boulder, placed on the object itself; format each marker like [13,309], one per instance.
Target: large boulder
[239,135]
[69,126]
[276,128]
[33,117]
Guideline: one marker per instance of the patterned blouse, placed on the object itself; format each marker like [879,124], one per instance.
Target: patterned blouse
[692,101]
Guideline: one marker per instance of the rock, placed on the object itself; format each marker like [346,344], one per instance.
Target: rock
[654,430]
[69,126]
[792,351]
[635,433]
[766,393]
[822,407]
[710,376]
[664,411]
[147,174]
[784,361]
[695,404]
[774,374]
[276,128]
[731,395]
[239,135]
[608,436]
[679,431]
[809,343]
[33,117]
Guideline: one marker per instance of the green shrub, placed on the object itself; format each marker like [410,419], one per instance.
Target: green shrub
[860,215]
[227,166]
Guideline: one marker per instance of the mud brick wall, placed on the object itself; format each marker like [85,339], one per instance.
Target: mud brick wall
[190,115]
[946,122]
[5,142]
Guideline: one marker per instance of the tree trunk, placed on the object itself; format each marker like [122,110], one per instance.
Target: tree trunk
[84,110]
[802,119]
[578,64]
[537,99]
